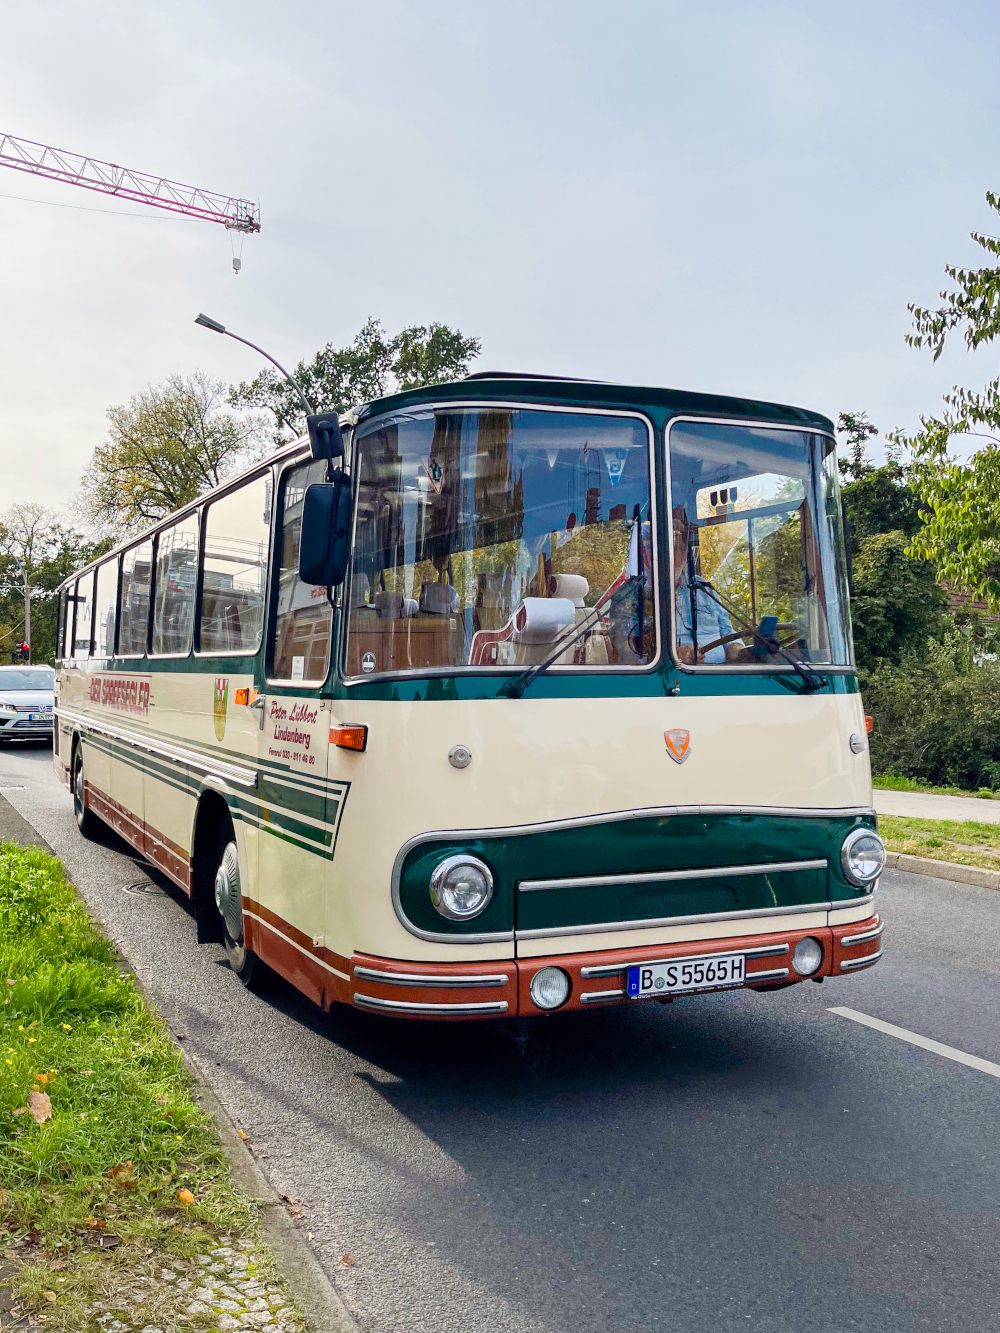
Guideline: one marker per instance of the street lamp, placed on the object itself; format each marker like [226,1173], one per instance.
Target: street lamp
[207,322]
[323,427]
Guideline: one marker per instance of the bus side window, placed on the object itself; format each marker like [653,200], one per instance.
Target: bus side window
[84,617]
[176,573]
[137,566]
[234,560]
[304,621]
[65,615]
[106,609]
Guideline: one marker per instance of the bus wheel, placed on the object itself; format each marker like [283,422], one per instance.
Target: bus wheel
[86,821]
[229,900]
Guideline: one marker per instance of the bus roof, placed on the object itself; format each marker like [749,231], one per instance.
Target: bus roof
[547,390]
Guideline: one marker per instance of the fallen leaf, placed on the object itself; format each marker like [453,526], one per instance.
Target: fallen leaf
[50,1295]
[162,1099]
[11,981]
[293,1210]
[3,1198]
[186,1197]
[40,1106]
[20,1110]
[348,1260]
[57,1264]
[241,1133]
[93,1225]
[88,1071]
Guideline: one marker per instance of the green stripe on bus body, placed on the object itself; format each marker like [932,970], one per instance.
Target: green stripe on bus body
[671,842]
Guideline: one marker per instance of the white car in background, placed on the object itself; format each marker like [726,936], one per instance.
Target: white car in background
[26,702]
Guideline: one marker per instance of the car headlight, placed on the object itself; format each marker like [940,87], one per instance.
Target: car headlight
[807,956]
[461,887]
[549,988]
[862,856]
[7,710]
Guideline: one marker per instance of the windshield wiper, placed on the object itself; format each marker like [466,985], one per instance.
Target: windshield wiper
[811,680]
[513,689]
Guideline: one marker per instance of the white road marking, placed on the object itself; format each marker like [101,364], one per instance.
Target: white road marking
[949,1052]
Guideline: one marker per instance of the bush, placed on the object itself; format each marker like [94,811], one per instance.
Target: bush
[938,720]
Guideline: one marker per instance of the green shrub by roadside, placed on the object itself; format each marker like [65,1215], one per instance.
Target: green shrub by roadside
[100,1139]
[893,782]
[938,721]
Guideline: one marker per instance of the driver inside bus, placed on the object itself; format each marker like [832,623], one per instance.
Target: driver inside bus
[713,621]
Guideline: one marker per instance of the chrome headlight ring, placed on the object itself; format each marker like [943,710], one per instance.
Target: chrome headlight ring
[862,864]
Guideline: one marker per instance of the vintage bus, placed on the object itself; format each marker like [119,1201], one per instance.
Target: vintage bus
[506,697]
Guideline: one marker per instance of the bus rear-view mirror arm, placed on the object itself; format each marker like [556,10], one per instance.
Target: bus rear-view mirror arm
[325,542]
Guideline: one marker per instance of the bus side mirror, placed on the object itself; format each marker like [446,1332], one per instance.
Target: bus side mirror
[325,542]
[324,436]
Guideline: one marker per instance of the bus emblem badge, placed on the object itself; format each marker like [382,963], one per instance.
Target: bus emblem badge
[219,706]
[678,744]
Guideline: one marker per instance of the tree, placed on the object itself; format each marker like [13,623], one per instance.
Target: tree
[370,367]
[39,548]
[961,528]
[897,607]
[858,429]
[165,447]
[876,499]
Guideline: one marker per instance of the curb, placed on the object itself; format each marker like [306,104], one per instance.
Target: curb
[958,874]
[306,1279]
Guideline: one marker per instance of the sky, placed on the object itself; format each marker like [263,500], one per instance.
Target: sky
[726,197]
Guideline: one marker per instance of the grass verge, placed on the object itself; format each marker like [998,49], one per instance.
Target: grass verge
[965,842]
[110,1175]
[892,782]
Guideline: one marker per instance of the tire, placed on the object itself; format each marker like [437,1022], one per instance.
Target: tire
[229,904]
[86,821]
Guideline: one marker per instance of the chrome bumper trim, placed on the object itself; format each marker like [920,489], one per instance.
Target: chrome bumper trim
[460,981]
[775,974]
[662,876]
[595,996]
[850,964]
[413,1007]
[849,941]
[610,970]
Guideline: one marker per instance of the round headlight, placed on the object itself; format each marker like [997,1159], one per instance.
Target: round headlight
[807,956]
[862,856]
[549,988]
[461,887]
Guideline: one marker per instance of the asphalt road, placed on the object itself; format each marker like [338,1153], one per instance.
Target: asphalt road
[725,1163]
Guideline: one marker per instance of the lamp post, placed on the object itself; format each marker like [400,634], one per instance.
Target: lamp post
[207,322]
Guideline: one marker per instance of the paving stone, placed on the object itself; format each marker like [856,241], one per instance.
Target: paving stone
[259,1304]
[231,1307]
[256,1318]
[222,1252]
[198,1307]
[225,1322]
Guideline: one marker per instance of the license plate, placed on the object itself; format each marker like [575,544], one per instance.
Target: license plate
[39,717]
[647,980]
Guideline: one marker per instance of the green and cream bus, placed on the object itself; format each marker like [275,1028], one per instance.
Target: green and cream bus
[503,697]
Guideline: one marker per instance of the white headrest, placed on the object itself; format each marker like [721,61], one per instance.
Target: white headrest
[542,619]
[573,586]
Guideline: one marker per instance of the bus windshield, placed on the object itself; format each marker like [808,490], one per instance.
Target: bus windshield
[484,535]
[759,570]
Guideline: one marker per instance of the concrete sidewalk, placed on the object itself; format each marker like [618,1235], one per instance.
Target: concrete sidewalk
[924,805]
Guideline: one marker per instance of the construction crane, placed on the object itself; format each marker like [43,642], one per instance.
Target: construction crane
[56,164]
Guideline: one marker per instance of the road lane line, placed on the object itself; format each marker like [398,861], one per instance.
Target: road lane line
[949,1052]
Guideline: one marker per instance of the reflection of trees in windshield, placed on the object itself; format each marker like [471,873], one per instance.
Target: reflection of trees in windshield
[466,517]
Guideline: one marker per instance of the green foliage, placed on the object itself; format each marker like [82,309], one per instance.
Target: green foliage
[165,447]
[859,430]
[36,543]
[897,605]
[370,367]
[961,533]
[938,721]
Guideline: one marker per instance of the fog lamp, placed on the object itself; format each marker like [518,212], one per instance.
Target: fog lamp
[807,956]
[549,988]
[461,887]
[862,856]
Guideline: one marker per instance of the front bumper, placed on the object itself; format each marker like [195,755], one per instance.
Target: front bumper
[495,990]
[20,728]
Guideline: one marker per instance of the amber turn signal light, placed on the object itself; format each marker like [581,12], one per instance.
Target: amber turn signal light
[245,696]
[349,738]
[869,723]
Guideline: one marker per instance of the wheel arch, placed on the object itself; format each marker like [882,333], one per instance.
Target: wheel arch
[212,814]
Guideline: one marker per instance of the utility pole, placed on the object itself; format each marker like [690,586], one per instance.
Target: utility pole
[27,612]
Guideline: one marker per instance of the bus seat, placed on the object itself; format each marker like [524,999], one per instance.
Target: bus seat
[439,599]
